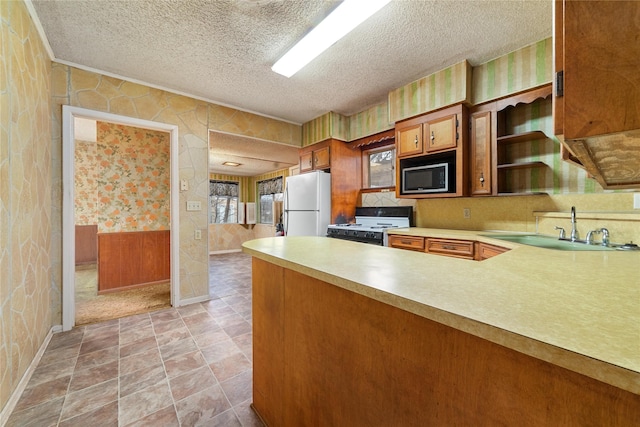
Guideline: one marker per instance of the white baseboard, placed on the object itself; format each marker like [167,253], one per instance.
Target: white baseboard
[194,300]
[227,251]
[17,393]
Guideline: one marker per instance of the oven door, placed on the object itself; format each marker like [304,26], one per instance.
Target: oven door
[372,238]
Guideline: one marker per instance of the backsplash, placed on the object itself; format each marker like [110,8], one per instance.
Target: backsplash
[532,213]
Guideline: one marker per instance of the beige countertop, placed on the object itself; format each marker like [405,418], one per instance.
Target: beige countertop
[579,310]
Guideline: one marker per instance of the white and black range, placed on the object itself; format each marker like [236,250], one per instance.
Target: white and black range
[372,223]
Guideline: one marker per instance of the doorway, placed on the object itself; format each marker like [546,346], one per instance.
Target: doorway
[70,131]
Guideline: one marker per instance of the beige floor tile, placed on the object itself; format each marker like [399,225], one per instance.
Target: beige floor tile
[144,402]
[202,407]
[191,383]
[112,373]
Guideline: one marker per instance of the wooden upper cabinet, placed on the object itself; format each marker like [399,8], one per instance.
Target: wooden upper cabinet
[321,158]
[315,159]
[425,135]
[344,162]
[306,162]
[481,139]
[600,61]
[440,134]
[597,106]
[409,141]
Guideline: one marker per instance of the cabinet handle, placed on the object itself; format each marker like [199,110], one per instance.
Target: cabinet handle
[416,141]
[481,179]
[433,138]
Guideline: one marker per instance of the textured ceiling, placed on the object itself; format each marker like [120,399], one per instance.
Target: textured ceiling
[255,156]
[223,50]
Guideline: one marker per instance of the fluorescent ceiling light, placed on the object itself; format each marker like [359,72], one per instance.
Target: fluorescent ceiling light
[234,164]
[339,23]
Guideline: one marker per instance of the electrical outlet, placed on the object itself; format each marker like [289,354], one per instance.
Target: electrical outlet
[636,200]
[193,205]
[184,185]
[198,235]
[466,212]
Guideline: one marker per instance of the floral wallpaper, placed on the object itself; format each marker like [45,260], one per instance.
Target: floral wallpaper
[86,183]
[122,181]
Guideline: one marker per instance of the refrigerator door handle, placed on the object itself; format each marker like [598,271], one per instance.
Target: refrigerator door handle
[285,226]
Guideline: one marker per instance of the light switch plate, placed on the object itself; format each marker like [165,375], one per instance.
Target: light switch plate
[636,200]
[193,205]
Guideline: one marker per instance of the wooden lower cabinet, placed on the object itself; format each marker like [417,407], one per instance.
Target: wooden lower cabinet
[486,250]
[450,247]
[412,243]
[466,249]
[326,356]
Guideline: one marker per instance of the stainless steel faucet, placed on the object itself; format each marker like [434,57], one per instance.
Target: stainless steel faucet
[605,237]
[574,231]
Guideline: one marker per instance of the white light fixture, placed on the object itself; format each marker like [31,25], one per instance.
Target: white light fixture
[233,164]
[339,23]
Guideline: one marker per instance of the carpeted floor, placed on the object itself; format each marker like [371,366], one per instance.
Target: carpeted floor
[92,308]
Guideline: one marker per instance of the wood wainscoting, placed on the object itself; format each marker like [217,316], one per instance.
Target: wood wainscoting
[86,244]
[132,259]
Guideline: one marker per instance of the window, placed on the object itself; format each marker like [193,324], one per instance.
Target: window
[380,167]
[223,200]
[269,191]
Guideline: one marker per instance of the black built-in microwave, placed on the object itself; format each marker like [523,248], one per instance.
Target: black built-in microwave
[432,177]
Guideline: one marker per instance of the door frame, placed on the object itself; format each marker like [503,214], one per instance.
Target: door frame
[68,199]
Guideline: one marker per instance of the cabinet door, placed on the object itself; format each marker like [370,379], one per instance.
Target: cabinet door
[601,63]
[486,251]
[481,177]
[409,141]
[440,134]
[306,162]
[321,158]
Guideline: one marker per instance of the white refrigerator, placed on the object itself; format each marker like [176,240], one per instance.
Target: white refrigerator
[307,204]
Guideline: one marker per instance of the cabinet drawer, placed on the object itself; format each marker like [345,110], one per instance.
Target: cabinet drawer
[454,248]
[485,251]
[407,242]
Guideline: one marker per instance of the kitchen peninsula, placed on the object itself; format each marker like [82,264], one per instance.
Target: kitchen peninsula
[353,334]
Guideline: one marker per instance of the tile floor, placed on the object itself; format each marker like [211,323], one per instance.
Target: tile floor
[175,367]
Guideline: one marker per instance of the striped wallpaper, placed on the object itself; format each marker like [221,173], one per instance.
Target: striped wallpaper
[329,125]
[443,88]
[370,121]
[522,69]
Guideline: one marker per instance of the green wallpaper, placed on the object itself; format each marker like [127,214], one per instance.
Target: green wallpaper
[522,69]
[370,121]
[443,88]
[329,125]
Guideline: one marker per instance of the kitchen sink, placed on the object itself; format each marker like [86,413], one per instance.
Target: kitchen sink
[549,242]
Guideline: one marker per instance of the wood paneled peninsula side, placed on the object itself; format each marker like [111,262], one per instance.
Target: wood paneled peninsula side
[346,333]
